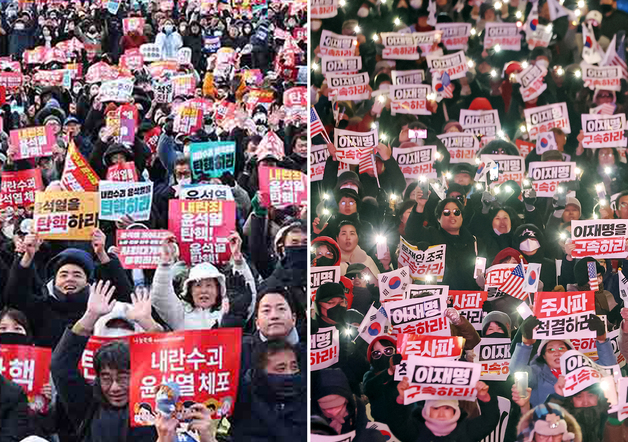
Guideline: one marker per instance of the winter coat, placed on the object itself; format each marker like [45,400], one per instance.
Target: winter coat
[540,376]
[169,44]
[13,412]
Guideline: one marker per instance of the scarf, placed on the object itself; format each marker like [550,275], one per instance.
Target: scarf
[440,427]
[338,420]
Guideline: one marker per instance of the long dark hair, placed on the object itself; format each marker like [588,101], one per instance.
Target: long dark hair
[18,317]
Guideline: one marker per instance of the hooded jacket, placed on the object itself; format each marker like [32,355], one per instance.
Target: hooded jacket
[548,269]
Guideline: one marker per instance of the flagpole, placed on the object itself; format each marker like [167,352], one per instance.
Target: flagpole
[521,261]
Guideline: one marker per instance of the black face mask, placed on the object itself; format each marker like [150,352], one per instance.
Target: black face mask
[497,335]
[381,364]
[605,9]
[15,339]
[337,313]
[325,262]
[296,257]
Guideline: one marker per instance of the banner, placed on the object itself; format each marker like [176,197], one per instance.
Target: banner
[349,87]
[580,372]
[324,348]
[188,119]
[415,76]
[140,248]
[601,77]
[455,35]
[393,285]
[410,99]
[399,46]
[202,228]
[546,175]
[78,175]
[603,130]
[454,64]
[323,9]
[132,60]
[469,304]
[212,159]
[205,364]
[124,172]
[119,199]
[511,167]
[532,81]
[542,118]
[318,159]
[485,123]
[493,354]
[206,192]
[599,238]
[17,189]
[446,347]
[563,315]
[321,275]
[424,264]
[334,45]
[423,316]
[440,379]
[11,81]
[416,161]
[506,35]
[66,215]
[351,145]
[29,367]
[462,147]
[344,65]
[33,142]
[282,187]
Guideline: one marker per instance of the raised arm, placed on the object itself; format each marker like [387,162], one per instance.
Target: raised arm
[163,297]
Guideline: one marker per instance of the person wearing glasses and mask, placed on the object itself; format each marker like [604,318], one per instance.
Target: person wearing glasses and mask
[461,246]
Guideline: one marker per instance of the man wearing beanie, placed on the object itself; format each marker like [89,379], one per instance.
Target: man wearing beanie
[63,300]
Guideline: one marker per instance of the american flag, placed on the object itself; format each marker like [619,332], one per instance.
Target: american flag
[592,268]
[447,90]
[316,126]
[616,57]
[367,163]
[513,285]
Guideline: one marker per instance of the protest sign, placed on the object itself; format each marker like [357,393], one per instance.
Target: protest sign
[280,187]
[66,215]
[349,87]
[454,35]
[399,46]
[124,171]
[588,347]
[78,175]
[133,24]
[446,347]
[119,91]
[563,315]
[187,119]
[540,36]
[164,91]
[440,379]
[393,285]
[350,146]
[454,64]
[580,372]
[484,123]
[140,248]
[183,85]
[318,159]
[184,57]
[122,128]
[33,142]
[469,304]
[132,60]
[212,159]
[29,367]
[49,78]
[417,161]
[541,119]
[493,354]
[345,65]
[17,189]
[603,130]
[321,275]
[601,77]
[113,6]
[511,167]
[334,45]
[163,69]
[410,99]
[205,364]
[599,238]
[119,199]
[428,42]
[383,429]
[525,147]
[324,348]
[150,52]
[295,103]
[11,81]
[532,81]
[622,389]
[425,265]
[202,228]
[462,147]
[496,276]
[416,290]
[425,315]
[206,192]
[506,35]
[323,9]
[415,76]
[545,176]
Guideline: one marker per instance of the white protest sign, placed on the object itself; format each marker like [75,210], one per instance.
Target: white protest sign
[541,119]
[213,192]
[462,147]
[415,290]
[416,161]
[428,41]
[335,65]
[532,81]
[602,238]
[511,167]
[323,8]
[410,99]
[350,145]
[321,275]
[184,56]
[563,315]
[545,176]
[506,35]
[454,64]
[541,36]
[120,91]
[603,130]
[580,372]
[455,35]
[399,46]
[334,45]
[423,316]
[349,87]
[622,387]
[324,348]
[493,355]
[318,159]
[150,52]
[601,77]
[414,76]
[485,123]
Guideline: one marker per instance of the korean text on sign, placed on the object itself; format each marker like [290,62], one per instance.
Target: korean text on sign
[599,238]
[206,192]
[17,189]
[66,215]
[33,141]
[282,187]
[563,315]
[118,199]
[493,354]
[212,159]
[204,363]
[580,372]
[469,304]
[140,248]
[29,367]
[321,275]
[417,161]
[547,175]
[324,348]
[423,316]
[448,347]
[424,265]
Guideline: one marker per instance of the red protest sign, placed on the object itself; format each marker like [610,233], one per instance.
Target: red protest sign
[140,248]
[122,172]
[132,60]
[525,147]
[49,78]
[28,367]
[563,315]
[18,188]
[86,363]
[34,56]
[78,175]
[33,141]
[184,85]
[431,346]
[11,81]
[202,228]
[282,187]
[187,120]
[205,364]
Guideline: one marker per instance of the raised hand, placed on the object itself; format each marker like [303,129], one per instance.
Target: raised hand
[141,309]
[98,244]
[30,246]
[101,299]
[235,245]
[482,389]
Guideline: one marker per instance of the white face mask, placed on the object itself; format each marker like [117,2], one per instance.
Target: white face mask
[363,12]
[316,25]
[542,63]
[416,4]
[529,245]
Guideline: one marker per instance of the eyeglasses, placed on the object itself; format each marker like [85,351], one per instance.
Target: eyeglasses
[448,212]
[344,203]
[623,205]
[388,351]
[555,350]
[106,381]
[460,198]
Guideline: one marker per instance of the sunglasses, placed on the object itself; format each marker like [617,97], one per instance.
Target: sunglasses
[388,351]
[448,212]
[460,198]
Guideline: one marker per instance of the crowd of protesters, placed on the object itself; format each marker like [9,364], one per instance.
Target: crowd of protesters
[58,293]
[361,213]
